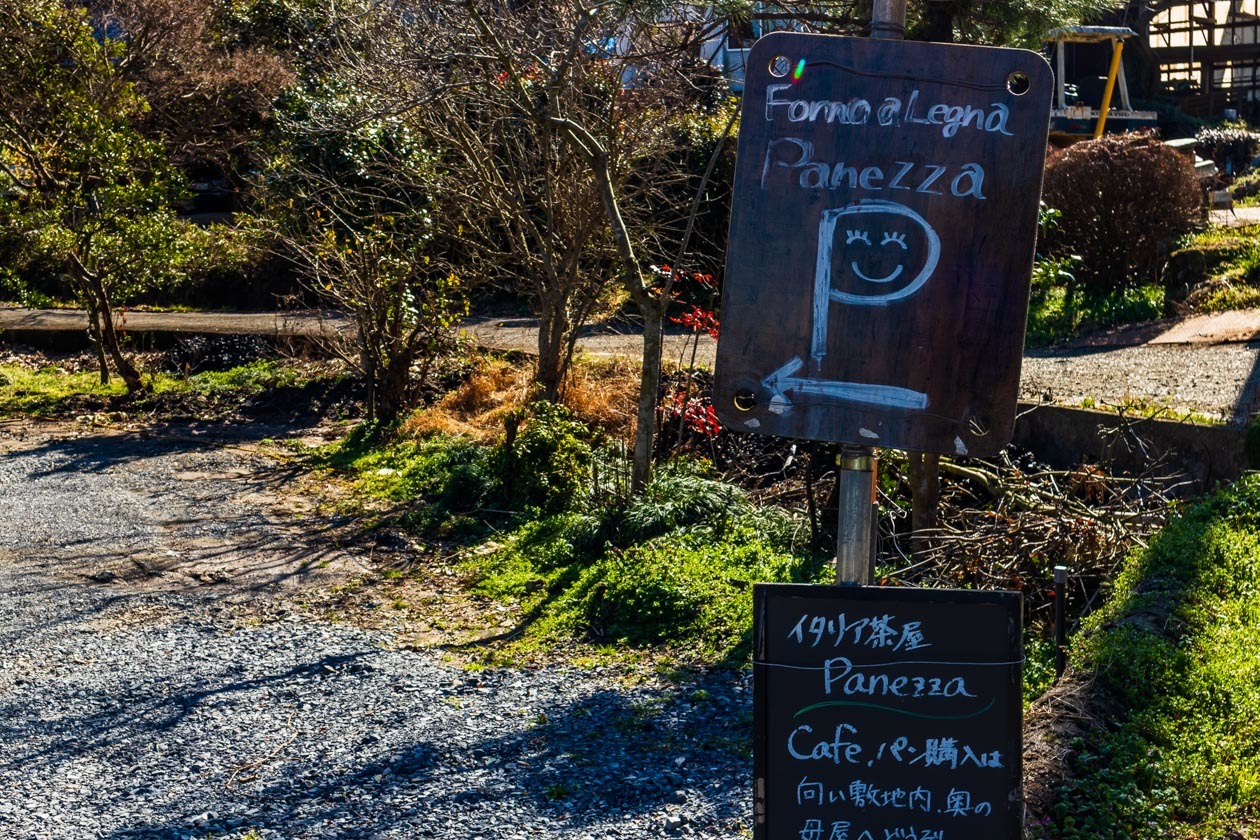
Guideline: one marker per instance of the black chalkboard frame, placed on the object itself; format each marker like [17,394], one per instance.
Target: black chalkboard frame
[764,594]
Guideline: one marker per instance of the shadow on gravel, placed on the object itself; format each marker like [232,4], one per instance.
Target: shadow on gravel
[100,452]
[1248,397]
[189,506]
[76,612]
[137,713]
[588,766]
[609,757]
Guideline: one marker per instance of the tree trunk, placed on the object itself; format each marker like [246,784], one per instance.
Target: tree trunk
[653,312]
[555,347]
[101,315]
[368,362]
[925,491]
[393,392]
[98,344]
[122,364]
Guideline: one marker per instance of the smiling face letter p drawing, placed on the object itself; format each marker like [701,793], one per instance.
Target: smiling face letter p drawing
[870,253]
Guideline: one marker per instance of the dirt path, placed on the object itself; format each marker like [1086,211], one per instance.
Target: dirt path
[167,672]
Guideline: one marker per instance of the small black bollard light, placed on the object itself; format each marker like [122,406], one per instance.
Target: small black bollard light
[1060,630]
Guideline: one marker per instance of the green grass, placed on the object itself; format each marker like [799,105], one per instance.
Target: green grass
[1234,287]
[690,588]
[1174,653]
[1152,409]
[253,377]
[671,568]
[52,390]
[1058,313]
[1235,282]
[41,392]
[1221,236]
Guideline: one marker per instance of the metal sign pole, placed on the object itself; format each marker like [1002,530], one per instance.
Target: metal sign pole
[855,532]
[888,20]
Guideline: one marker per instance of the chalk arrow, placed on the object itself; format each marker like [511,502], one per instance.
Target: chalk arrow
[782,382]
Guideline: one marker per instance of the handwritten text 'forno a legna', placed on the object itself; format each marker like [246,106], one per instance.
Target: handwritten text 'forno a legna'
[892,112]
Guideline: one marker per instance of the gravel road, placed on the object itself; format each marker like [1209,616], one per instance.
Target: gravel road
[1220,381]
[1208,364]
[159,679]
[1216,379]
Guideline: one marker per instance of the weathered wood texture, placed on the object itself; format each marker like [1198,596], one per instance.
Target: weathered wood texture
[881,242]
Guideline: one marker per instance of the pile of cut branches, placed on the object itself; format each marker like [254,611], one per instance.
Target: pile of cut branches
[1010,521]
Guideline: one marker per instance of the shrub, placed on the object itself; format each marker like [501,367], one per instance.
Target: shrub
[1124,200]
[1231,149]
[679,497]
[544,461]
[685,589]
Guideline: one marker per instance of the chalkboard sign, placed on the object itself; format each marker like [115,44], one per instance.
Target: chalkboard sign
[881,244]
[887,714]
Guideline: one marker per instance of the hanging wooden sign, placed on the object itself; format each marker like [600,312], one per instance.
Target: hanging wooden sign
[881,244]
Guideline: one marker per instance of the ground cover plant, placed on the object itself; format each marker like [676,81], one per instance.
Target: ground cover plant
[548,526]
[528,505]
[1172,680]
[1216,270]
[37,384]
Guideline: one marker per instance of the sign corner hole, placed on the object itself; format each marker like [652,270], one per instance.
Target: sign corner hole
[1018,83]
[780,66]
[745,400]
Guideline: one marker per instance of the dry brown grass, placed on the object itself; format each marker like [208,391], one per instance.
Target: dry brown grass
[604,393]
[601,391]
[477,406]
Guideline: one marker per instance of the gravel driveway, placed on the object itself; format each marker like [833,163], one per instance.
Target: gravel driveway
[1219,379]
[1207,364]
[159,680]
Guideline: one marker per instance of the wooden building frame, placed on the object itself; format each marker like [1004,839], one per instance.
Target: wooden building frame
[1208,53]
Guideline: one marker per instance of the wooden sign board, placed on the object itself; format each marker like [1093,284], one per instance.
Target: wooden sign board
[887,713]
[881,243]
